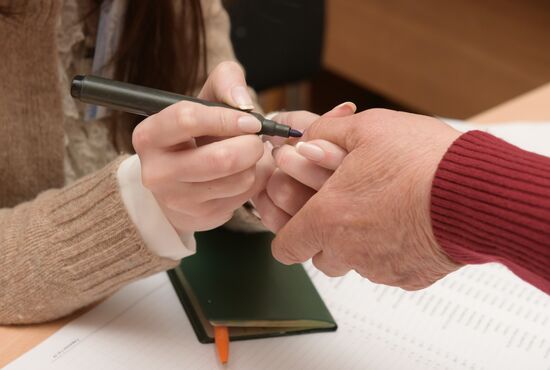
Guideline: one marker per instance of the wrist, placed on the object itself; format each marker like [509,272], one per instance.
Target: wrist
[428,170]
[154,227]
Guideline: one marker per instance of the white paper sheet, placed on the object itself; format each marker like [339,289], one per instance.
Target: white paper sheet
[532,136]
[480,317]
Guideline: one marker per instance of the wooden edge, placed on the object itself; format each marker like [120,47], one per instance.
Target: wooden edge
[531,106]
[15,340]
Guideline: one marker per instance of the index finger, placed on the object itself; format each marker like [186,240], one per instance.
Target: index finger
[184,121]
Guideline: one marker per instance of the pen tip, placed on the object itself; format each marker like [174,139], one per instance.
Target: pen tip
[294,133]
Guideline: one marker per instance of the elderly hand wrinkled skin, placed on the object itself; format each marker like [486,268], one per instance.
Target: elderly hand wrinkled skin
[373,214]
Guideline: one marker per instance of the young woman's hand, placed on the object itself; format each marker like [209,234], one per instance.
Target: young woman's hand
[202,163]
[300,169]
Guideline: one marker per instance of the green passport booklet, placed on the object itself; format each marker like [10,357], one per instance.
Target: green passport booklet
[234,281]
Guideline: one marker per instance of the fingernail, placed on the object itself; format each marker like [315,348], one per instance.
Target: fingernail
[349,105]
[275,151]
[310,151]
[249,124]
[269,145]
[242,98]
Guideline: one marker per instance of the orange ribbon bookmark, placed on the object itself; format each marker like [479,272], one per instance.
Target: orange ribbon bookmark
[221,337]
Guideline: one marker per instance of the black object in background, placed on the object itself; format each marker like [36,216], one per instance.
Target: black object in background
[277,41]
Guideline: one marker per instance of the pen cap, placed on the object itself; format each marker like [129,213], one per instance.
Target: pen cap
[120,95]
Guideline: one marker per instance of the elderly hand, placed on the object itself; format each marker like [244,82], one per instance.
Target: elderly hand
[373,214]
[202,163]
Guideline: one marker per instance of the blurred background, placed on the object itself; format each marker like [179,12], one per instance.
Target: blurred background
[447,58]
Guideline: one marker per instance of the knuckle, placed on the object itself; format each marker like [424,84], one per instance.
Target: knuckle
[223,160]
[376,279]
[280,193]
[372,275]
[326,268]
[371,123]
[141,137]
[184,116]
[375,114]
[150,178]
[248,178]
[281,253]
[317,263]
[226,117]
[287,254]
[172,202]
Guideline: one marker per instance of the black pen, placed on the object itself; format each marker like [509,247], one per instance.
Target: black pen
[146,101]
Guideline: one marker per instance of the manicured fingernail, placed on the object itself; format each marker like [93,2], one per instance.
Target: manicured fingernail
[348,105]
[310,151]
[249,124]
[242,98]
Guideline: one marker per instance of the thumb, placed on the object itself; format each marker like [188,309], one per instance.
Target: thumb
[227,84]
[342,110]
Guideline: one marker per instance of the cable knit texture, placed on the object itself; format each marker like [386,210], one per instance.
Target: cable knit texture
[61,248]
[491,203]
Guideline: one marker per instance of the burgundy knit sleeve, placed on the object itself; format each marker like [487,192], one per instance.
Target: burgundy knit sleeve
[491,203]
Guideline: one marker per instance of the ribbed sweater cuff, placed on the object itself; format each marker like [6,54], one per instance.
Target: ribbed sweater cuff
[99,247]
[491,203]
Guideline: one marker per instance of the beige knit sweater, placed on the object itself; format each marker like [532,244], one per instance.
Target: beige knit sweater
[61,248]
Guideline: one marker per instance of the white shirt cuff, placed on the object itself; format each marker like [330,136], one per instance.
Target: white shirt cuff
[155,229]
